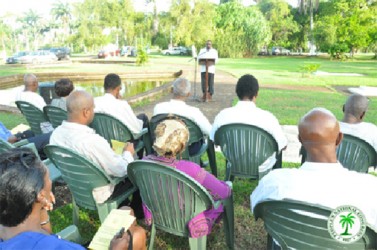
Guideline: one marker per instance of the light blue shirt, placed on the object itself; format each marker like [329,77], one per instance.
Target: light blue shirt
[4,132]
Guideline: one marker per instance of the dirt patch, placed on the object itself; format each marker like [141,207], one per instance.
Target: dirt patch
[297,87]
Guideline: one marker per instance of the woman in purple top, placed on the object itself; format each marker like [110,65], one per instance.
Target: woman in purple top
[171,139]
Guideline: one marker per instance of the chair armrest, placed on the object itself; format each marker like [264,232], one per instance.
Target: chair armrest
[142,132]
[116,180]
[21,143]
[267,166]
[70,233]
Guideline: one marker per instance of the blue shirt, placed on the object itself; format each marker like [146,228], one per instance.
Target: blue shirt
[4,132]
[37,241]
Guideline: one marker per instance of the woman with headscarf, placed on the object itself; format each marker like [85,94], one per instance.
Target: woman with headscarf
[171,138]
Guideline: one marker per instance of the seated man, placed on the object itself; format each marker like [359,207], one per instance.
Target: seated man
[177,106]
[31,96]
[63,88]
[354,112]
[40,141]
[111,103]
[246,112]
[76,135]
[321,178]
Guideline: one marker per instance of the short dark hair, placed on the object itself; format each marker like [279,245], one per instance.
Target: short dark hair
[21,179]
[112,81]
[63,87]
[247,86]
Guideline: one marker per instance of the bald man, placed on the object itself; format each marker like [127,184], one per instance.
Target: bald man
[29,94]
[354,111]
[76,135]
[321,180]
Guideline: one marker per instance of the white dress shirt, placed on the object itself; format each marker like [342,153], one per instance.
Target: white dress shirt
[86,142]
[211,54]
[38,101]
[31,97]
[246,112]
[120,109]
[326,184]
[363,130]
[179,107]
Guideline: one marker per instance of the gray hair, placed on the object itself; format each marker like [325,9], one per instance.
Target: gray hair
[181,87]
[29,78]
[356,105]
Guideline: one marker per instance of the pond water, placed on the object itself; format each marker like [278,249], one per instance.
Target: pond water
[129,88]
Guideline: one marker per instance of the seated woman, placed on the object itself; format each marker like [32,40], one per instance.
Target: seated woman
[25,199]
[171,139]
[63,88]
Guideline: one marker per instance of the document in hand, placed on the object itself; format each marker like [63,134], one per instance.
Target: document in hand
[116,219]
[118,146]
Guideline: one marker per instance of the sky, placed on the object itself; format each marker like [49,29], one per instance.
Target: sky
[43,7]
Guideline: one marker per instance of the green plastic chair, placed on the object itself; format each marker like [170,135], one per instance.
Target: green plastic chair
[71,233]
[245,148]
[33,115]
[353,153]
[55,174]
[55,115]
[111,128]
[196,135]
[82,176]
[285,222]
[174,198]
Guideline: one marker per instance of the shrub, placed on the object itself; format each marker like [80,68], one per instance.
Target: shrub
[308,69]
[142,57]
[337,51]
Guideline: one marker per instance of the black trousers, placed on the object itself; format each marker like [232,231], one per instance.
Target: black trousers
[145,120]
[211,82]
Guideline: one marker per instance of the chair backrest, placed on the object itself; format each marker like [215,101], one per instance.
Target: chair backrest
[5,146]
[289,223]
[80,174]
[245,147]
[195,132]
[356,154]
[55,115]
[111,128]
[33,115]
[173,197]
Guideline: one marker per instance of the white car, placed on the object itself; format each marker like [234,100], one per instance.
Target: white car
[175,51]
[40,56]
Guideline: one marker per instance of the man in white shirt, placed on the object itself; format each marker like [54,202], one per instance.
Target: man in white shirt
[177,106]
[354,110]
[321,180]
[76,135]
[208,53]
[246,112]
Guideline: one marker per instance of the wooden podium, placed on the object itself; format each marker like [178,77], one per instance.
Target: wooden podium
[207,62]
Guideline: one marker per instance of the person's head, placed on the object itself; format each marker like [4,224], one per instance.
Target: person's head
[30,82]
[355,108]
[181,88]
[247,88]
[112,84]
[63,87]
[25,185]
[320,135]
[80,107]
[209,44]
[171,138]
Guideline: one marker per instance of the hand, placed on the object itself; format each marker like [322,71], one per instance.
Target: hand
[49,206]
[120,241]
[129,147]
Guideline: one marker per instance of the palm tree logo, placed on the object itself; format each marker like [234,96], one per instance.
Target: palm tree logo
[347,221]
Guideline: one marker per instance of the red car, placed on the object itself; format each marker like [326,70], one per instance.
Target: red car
[104,53]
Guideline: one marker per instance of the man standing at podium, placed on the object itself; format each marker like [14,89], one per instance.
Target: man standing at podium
[208,53]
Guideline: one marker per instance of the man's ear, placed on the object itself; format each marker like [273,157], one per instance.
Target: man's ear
[343,108]
[41,197]
[339,139]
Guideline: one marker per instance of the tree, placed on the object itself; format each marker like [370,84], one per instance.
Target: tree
[240,31]
[62,13]
[280,20]
[347,221]
[312,6]
[31,25]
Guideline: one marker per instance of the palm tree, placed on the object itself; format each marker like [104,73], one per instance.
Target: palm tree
[62,11]
[31,27]
[312,6]
[347,220]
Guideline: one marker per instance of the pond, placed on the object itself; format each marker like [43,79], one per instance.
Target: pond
[95,87]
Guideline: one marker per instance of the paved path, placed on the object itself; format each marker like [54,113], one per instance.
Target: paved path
[224,95]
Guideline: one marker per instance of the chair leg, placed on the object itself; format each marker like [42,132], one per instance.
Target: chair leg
[212,157]
[75,213]
[227,171]
[198,243]
[229,222]
[153,235]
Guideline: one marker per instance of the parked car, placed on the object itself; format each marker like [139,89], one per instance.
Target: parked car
[175,51]
[16,56]
[61,53]
[40,56]
[280,51]
[104,53]
[263,52]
